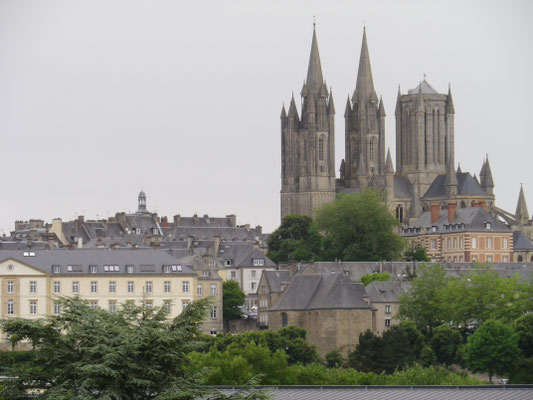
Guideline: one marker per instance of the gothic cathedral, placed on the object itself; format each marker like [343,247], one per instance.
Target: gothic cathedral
[425,165]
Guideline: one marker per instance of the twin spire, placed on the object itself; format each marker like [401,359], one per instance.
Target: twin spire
[364,88]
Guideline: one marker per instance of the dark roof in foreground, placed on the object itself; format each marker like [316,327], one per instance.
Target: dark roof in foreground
[486,392]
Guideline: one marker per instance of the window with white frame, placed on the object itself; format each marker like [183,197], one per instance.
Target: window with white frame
[11,286]
[185,287]
[129,269]
[205,272]
[474,243]
[166,287]
[33,307]
[148,287]
[258,262]
[94,303]
[131,287]
[166,269]
[233,274]
[253,273]
[184,304]
[387,309]
[505,243]
[387,322]
[433,244]
[200,290]
[94,286]
[112,306]
[33,287]
[75,287]
[253,285]
[57,307]
[57,287]
[93,269]
[213,312]
[474,258]
[167,304]
[56,269]
[112,287]
[10,307]
[454,243]
[213,289]
[505,259]
[489,243]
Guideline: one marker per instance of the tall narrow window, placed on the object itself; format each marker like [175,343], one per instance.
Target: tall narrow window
[321,149]
[11,286]
[10,307]
[371,152]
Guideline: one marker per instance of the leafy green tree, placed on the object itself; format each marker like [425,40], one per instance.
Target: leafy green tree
[445,343]
[367,279]
[492,348]
[295,240]
[424,303]
[524,329]
[416,252]
[86,353]
[366,355]
[402,346]
[360,228]
[334,359]
[522,371]
[232,299]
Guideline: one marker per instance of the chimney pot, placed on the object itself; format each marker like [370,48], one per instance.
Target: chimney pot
[452,207]
[435,212]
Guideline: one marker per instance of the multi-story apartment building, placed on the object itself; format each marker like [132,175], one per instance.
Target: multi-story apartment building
[464,234]
[32,281]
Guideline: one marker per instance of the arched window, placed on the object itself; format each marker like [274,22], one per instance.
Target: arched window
[284,319]
[371,156]
[321,148]
[463,204]
[520,259]
[399,212]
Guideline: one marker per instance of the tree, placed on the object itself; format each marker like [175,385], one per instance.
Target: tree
[86,353]
[416,252]
[360,228]
[445,343]
[294,240]
[492,348]
[524,329]
[424,302]
[402,346]
[232,298]
[334,359]
[365,357]
[367,279]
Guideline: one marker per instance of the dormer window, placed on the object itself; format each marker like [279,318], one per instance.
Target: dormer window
[258,262]
[138,231]
[227,263]
[56,269]
[155,231]
[433,228]
[166,269]
[487,225]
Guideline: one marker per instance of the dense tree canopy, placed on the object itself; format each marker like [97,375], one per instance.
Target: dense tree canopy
[492,348]
[86,353]
[232,298]
[360,228]
[367,279]
[416,252]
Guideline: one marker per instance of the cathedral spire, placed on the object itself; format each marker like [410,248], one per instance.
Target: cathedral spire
[331,106]
[348,108]
[293,112]
[398,110]
[364,87]
[487,182]
[389,169]
[459,170]
[521,214]
[381,109]
[314,80]
[449,102]
[283,113]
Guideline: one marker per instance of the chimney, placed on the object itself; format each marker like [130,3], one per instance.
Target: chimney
[483,204]
[217,245]
[232,219]
[177,220]
[452,207]
[259,229]
[164,222]
[247,227]
[189,242]
[435,212]
[195,218]
[81,219]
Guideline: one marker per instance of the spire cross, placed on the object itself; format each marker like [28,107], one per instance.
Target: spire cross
[424,76]
[314,21]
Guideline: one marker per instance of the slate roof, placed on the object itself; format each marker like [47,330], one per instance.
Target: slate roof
[144,261]
[521,242]
[473,218]
[315,292]
[275,278]
[485,392]
[242,254]
[386,292]
[466,186]
[426,88]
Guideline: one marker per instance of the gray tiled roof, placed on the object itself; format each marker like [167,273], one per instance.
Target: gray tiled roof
[402,187]
[487,392]
[331,291]
[466,186]
[275,278]
[426,88]
[144,261]
[385,292]
[473,218]
[521,242]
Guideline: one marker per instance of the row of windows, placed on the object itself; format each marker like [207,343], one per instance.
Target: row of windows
[130,269]
[454,243]
[11,307]
[148,287]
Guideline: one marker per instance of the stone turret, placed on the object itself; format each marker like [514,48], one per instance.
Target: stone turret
[521,214]
[486,181]
[141,202]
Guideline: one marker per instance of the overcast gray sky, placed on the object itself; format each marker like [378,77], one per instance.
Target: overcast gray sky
[101,97]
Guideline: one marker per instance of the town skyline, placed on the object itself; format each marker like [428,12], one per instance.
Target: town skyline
[185,105]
